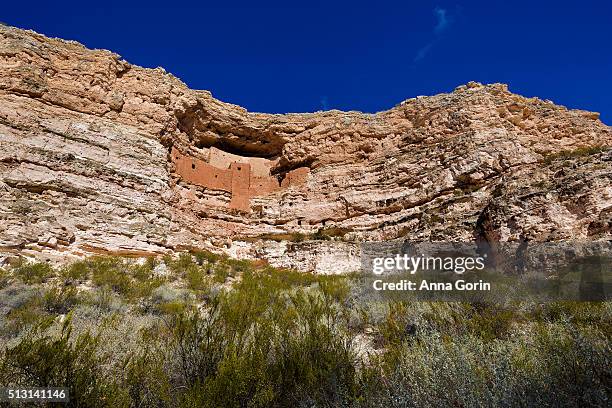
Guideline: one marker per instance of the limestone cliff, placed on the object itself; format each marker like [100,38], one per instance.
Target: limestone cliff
[100,156]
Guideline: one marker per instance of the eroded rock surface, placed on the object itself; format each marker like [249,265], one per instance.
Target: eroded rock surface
[86,166]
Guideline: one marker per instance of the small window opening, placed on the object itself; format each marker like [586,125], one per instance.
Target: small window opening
[193,166]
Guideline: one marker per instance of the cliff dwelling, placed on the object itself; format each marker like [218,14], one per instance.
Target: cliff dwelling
[243,177]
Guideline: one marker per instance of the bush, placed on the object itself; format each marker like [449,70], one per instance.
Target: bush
[48,361]
[325,234]
[145,378]
[32,273]
[195,279]
[282,338]
[78,271]
[203,256]
[554,366]
[20,309]
[126,278]
[572,154]
[60,300]
[5,278]
[222,272]
[258,347]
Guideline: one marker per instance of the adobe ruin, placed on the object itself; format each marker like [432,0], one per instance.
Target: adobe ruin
[243,177]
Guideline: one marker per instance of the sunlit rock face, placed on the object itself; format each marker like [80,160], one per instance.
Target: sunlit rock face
[87,166]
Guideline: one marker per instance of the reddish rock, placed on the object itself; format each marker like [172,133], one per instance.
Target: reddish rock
[96,155]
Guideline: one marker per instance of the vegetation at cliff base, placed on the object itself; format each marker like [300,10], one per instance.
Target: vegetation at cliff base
[203,330]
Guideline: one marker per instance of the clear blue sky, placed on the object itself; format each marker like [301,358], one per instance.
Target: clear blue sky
[285,56]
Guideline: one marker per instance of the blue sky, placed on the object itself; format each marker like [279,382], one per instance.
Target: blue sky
[282,56]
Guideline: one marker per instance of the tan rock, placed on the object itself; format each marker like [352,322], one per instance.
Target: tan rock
[86,166]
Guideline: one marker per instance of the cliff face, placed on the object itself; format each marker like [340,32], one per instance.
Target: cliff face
[87,166]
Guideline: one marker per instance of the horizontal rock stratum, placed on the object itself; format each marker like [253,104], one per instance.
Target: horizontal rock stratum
[87,166]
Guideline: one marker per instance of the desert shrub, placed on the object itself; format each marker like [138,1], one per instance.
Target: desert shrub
[491,322]
[549,365]
[32,273]
[579,313]
[298,237]
[260,344]
[46,361]
[203,256]
[221,273]
[5,278]
[14,296]
[131,280]
[113,278]
[170,301]
[105,300]
[239,266]
[195,278]
[166,293]
[285,279]
[320,235]
[23,317]
[20,307]
[316,363]
[282,338]
[334,288]
[539,364]
[145,378]
[572,154]
[60,300]
[396,327]
[174,308]
[78,271]
[144,271]
[182,263]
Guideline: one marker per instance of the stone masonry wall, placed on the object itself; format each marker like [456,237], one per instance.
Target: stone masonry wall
[245,177]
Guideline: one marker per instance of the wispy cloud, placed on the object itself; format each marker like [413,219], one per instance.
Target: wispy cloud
[324,103]
[443,23]
[423,52]
[443,20]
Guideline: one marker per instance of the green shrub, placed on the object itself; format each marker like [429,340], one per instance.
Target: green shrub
[196,279]
[282,338]
[572,154]
[285,279]
[553,366]
[203,256]
[146,379]
[5,278]
[44,360]
[298,237]
[78,271]
[131,280]
[222,272]
[21,317]
[105,300]
[60,300]
[173,308]
[113,278]
[32,273]
[258,347]
[143,272]
[184,262]
[166,293]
